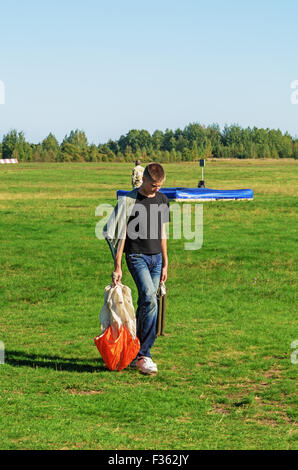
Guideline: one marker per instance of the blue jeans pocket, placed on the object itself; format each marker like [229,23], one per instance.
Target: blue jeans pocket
[132,256]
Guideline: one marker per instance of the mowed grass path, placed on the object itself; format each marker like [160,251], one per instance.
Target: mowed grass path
[225,379]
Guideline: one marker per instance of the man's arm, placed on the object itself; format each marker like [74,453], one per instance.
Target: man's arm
[118,260]
[164,252]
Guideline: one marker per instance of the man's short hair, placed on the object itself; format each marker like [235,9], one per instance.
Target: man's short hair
[138,162]
[154,172]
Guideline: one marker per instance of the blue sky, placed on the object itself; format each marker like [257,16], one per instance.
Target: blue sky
[109,66]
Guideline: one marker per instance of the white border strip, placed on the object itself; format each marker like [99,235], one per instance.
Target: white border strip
[9,160]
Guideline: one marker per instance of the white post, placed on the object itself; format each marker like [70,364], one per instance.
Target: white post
[2,349]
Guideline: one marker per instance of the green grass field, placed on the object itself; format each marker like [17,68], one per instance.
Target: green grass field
[226,380]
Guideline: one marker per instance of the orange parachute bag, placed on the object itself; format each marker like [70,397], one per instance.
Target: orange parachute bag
[118,344]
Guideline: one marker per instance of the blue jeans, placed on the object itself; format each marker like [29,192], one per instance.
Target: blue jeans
[146,272]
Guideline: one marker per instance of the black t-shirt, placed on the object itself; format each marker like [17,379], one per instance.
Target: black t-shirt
[145,224]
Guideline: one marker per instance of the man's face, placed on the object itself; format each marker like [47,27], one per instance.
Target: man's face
[151,187]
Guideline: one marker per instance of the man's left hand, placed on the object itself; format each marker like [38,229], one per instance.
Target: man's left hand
[164,274]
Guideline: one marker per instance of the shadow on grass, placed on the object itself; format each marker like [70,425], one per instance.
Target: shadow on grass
[23,359]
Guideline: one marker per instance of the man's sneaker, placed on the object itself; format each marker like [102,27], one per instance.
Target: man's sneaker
[146,366]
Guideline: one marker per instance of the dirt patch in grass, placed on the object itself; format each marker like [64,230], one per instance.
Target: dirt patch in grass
[216,263]
[221,409]
[184,419]
[75,391]
[272,417]
[273,374]
[218,356]
[263,421]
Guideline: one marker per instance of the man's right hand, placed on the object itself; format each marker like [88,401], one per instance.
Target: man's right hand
[117,276]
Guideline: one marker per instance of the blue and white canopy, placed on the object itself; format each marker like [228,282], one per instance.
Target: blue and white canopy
[201,194]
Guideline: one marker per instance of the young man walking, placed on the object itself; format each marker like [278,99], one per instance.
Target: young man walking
[145,248]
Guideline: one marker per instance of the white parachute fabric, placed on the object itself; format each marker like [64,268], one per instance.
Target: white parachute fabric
[118,310]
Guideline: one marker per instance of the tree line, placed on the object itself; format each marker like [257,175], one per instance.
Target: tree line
[193,142]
